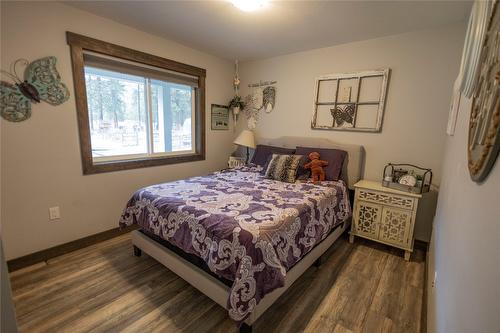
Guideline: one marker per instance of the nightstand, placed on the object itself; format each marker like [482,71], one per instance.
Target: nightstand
[384,215]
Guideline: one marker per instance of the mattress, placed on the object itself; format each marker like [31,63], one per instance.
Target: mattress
[247,229]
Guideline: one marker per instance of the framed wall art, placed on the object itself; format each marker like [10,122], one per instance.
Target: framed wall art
[484,123]
[350,102]
[474,39]
[220,117]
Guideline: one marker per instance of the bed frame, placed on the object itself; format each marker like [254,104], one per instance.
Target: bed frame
[218,291]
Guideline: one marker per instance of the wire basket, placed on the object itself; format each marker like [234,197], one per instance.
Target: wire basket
[393,172]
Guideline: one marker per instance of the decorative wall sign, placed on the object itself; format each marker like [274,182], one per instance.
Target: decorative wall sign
[353,102]
[484,123]
[220,117]
[41,82]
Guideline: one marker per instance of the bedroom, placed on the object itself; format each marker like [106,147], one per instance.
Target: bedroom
[66,179]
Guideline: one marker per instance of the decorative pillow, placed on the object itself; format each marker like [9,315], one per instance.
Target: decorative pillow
[303,173]
[283,167]
[335,158]
[263,153]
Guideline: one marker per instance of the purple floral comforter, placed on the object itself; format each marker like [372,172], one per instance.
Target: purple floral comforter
[248,229]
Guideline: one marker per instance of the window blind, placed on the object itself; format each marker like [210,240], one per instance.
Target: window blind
[137,69]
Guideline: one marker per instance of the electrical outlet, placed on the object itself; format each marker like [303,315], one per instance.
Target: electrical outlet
[433,285]
[54,213]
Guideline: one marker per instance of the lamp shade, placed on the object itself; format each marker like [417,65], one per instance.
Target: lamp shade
[245,139]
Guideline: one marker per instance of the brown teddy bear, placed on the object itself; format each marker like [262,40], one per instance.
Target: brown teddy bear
[316,165]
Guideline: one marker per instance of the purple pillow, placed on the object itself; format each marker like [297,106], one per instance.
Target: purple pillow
[264,153]
[335,158]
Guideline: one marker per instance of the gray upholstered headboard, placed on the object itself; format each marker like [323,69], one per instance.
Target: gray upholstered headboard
[352,168]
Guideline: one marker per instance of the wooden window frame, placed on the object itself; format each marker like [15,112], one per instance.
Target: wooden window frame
[78,44]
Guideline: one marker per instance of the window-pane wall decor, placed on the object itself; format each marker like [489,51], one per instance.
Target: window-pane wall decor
[352,102]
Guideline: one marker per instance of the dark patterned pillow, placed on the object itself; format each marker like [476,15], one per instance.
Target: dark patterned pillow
[283,167]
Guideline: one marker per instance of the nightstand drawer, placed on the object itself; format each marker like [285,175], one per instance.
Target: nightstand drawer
[388,199]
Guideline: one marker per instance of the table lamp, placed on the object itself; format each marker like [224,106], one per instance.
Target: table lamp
[246,139]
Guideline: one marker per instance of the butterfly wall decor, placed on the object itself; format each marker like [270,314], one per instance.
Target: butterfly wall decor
[343,117]
[41,82]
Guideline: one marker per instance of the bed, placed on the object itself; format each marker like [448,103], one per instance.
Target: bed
[238,237]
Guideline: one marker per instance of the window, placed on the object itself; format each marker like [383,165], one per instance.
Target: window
[135,109]
[135,113]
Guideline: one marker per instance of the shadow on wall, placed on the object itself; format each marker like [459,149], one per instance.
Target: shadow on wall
[425,216]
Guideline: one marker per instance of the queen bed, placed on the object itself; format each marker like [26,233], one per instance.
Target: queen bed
[238,237]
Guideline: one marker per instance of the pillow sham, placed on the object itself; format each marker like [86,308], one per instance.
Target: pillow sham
[263,153]
[303,173]
[335,158]
[283,167]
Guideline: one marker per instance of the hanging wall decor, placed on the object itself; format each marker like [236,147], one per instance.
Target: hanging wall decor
[476,33]
[236,104]
[251,112]
[350,102]
[259,99]
[41,82]
[484,123]
[269,96]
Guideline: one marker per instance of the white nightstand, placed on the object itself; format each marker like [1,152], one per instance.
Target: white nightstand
[384,215]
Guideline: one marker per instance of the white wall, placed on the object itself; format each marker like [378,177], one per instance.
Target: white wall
[424,66]
[465,246]
[41,165]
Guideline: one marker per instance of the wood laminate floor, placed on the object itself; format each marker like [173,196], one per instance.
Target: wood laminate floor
[360,287]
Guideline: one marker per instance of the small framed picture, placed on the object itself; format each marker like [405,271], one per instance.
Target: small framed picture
[220,117]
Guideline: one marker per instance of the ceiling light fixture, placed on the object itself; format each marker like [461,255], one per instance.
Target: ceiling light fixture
[249,5]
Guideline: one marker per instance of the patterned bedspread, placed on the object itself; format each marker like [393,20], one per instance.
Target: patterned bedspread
[248,229]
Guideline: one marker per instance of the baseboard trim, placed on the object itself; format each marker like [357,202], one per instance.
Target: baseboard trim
[421,245]
[43,255]
[423,314]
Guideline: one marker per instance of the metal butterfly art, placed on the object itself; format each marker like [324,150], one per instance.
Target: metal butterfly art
[41,82]
[341,116]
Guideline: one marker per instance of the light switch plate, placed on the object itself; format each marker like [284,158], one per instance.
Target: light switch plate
[54,213]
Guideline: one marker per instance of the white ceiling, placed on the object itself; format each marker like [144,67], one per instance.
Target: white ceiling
[219,28]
